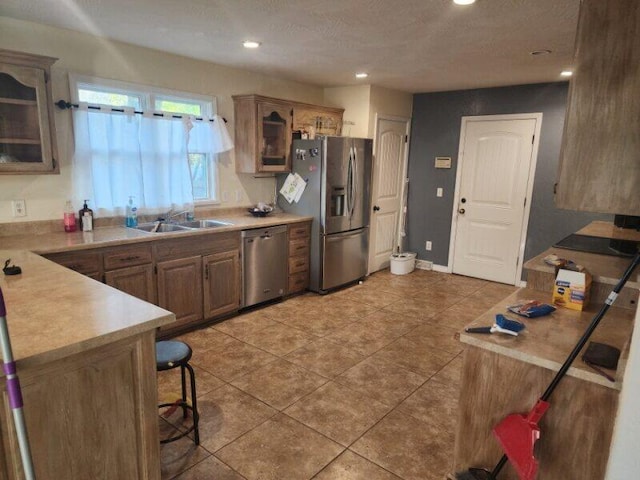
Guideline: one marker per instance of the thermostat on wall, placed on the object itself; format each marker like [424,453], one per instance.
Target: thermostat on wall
[443,162]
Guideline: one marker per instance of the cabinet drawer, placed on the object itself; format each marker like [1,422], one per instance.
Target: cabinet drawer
[81,262]
[298,282]
[127,257]
[299,247]
[299,230]
[298,264]
[196,245]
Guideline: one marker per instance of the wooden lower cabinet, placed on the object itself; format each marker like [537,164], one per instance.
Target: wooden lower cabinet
[222,283]
[298,265]
[180,289]
[88,263]
[89,415]
[138,281]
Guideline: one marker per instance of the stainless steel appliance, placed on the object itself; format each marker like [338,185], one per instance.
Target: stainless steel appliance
[264,264]
[338,175]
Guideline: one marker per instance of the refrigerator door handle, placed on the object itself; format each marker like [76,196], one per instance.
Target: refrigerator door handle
[351,193]
[355,180]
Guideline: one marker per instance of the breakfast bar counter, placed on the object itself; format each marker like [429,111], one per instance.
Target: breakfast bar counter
[503,374]
[85,356]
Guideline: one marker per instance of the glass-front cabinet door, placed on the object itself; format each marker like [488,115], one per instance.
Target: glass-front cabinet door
[26,123]
[274,135]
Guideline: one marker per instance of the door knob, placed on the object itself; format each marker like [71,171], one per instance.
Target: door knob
[461,211]
[376,208]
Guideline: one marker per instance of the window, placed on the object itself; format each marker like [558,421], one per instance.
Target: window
[119,95]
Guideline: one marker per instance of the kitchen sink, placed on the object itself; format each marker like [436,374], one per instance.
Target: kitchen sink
[181,226]
[204,224]
[164,227]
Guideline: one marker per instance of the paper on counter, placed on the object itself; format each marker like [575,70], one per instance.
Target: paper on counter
[293,188]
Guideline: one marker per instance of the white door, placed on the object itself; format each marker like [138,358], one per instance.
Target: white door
[494,180]
[386,198]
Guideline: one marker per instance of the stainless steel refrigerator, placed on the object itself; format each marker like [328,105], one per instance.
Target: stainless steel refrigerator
[337,195]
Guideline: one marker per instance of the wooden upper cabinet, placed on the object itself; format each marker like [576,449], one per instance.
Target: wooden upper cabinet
[600,157]
[262,134]
[264,127]
[27,133]
[320,120]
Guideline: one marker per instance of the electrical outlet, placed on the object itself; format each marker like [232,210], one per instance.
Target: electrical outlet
[428,245]
[19,208]
[238,195]
[439,192]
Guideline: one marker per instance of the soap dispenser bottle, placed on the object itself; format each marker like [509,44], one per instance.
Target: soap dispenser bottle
[69,217]
[86,218]
[131,219]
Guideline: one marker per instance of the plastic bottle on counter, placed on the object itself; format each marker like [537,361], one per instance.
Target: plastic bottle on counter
[69,217]
[131,219]
[86,218]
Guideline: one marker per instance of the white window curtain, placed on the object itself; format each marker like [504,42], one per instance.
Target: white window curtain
[205,136]
[118,155]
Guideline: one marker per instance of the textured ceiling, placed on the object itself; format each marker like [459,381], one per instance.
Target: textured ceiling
[411,45]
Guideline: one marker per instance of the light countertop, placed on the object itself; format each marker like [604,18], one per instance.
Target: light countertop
[547,341]
[53,312]
[120,235]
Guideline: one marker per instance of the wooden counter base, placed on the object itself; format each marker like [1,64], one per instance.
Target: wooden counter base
[90,415]
[575,432]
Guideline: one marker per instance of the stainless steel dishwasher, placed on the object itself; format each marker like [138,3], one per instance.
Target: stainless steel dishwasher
[264,264]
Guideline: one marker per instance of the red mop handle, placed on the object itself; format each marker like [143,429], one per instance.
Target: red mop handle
[538,411]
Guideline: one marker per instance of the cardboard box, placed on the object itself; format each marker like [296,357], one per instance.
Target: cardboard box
[571,289]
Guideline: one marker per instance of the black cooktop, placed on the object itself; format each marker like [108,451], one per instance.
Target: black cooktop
[603,246]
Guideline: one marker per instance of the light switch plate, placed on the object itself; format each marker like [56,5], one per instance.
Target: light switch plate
[439,192]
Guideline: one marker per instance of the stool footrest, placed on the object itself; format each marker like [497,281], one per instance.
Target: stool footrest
[183,433]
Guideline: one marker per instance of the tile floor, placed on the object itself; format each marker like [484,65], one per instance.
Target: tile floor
[360,384]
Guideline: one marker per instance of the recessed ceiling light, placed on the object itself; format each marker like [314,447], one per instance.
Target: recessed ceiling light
[540,52]
[566,73]
[250,44]
[464,2]
[362,75]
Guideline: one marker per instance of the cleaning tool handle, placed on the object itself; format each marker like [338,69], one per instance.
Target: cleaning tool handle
[14,392]
[13,385]
[478,330]
[592,326]
[3,309]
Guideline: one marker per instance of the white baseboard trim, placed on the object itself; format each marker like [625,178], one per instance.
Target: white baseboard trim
[441,268]
[428,265]
[521,284]
[424,265]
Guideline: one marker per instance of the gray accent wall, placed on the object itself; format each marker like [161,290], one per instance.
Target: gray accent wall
[435,132]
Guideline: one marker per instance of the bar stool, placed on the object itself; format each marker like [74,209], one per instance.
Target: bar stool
[172,354]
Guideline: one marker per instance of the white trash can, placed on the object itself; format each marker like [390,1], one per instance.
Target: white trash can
[403,263]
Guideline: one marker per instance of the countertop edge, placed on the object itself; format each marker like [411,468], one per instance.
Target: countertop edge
[45,247]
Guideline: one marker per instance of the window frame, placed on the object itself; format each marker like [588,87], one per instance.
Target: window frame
[148,96]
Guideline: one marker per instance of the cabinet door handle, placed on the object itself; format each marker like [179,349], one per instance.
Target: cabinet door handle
[206,272]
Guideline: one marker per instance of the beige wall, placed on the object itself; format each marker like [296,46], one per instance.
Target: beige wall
[355,101]
[363,102]
[45,195]
[384,101]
